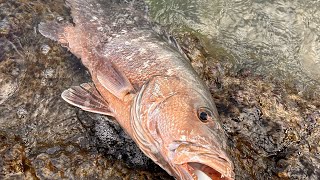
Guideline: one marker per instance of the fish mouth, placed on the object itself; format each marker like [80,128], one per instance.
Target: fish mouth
[200,163]
[199,171]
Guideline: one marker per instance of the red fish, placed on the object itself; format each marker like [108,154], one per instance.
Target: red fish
[146,85]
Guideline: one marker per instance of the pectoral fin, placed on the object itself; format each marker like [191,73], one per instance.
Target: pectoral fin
[87,98]
[114,81]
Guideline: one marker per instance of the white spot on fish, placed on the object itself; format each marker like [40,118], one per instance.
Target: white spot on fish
[100,28]
[129,57]
[145,64]
[94,18]
[183,138]
[142,50]
[170,72]
[156,88]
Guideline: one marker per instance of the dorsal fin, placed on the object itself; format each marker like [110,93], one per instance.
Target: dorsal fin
[163,32]
[87,98]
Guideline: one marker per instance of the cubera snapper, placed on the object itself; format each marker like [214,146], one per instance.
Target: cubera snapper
[146,85]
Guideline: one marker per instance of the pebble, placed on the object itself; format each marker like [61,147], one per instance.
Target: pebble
[45,49]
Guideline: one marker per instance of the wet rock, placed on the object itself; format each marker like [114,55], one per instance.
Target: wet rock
[4,48]
[13,161]
[8,85]
[4,27]
[269,133]
[109,139]
[45,49]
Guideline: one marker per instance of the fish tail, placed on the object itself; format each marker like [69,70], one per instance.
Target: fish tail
[54,31]
[64,33]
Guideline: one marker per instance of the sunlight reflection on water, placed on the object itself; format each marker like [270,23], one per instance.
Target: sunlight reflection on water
[279,39]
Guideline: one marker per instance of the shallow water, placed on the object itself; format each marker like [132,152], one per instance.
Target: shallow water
[278,39]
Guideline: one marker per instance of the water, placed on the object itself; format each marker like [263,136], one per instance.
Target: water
[276,39]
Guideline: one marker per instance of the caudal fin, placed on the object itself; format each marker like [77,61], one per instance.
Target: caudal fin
[65,34]
[55,31]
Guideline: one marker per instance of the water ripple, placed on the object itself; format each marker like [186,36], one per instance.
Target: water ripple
[280,39]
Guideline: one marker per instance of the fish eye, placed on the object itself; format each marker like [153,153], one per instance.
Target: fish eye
[204,114]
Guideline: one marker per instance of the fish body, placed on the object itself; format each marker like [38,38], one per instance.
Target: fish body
[146,85]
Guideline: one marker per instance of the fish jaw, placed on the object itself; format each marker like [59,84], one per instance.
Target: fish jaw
[197,162]
[202,172]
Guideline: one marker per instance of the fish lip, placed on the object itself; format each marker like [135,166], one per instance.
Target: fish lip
[214,164]
[213,172]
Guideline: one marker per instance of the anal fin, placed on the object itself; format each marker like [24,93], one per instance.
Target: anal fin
[87,98]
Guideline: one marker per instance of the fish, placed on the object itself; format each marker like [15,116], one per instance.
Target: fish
[147,85]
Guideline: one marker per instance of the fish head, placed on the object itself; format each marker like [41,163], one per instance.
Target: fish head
[178,128]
